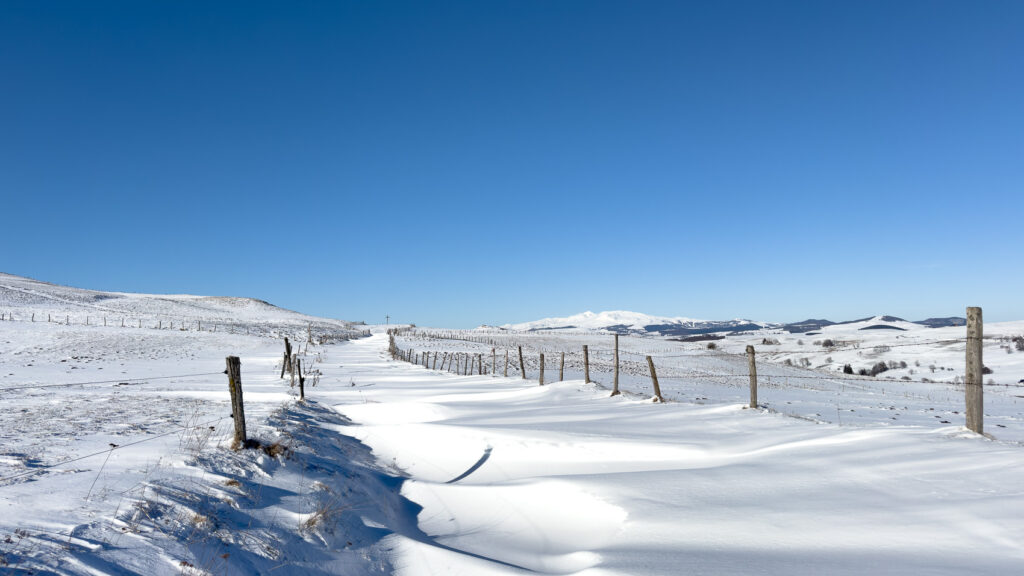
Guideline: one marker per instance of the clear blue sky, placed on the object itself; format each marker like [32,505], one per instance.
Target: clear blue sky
[457,163]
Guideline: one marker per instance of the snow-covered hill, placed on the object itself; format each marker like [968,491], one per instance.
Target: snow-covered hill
[30,300]
[624,322]
[620,321]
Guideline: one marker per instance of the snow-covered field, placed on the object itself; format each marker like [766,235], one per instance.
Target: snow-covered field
[390,467]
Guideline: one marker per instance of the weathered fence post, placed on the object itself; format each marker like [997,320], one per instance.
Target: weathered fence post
[973,376]
[561,368]
[291,363]
[494,362]
[434,366]
[522,367]
[234,372]
[542,369]
[302,380]
[465,369]
[654,380]
[479,364]
[287,356]
[615,385]
[586,364]
[752,366]
[506,362]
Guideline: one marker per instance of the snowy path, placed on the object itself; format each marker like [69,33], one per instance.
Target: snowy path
[561,479]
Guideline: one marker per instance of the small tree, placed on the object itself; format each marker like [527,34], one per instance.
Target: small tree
[828,343]
[847,369]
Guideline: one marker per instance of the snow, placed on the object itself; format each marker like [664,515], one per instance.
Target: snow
[392,468]
[591,321]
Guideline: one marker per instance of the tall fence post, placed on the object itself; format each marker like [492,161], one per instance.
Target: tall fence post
[654,380]
[586,364]
[506,362]
[615,385]
[561,368]
[542,369]
[302,380]
[973,376]
[234,372]
[479,364]
[522,367]
[752,366]
[287,356]
[494,362]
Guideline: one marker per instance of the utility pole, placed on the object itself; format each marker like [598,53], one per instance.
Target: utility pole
[387,319]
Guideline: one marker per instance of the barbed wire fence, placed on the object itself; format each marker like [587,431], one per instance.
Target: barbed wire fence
[326,333]
[690,368]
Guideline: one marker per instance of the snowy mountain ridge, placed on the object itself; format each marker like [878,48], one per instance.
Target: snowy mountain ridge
[626,322]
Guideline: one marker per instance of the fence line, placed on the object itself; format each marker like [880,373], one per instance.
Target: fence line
[971,380]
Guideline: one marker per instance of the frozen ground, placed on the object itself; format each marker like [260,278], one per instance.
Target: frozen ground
[394,468]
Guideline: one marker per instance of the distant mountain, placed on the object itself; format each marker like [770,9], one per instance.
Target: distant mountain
[943,322]
[623,322]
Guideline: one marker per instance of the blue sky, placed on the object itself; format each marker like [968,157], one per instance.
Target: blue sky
[458,163]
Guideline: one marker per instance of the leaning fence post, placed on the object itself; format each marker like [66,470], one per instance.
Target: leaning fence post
[654,380]
[542,369]
[234,372]
[586,364]
[302,380]
[615,385]
[753,376]
[522,367]
[973,376]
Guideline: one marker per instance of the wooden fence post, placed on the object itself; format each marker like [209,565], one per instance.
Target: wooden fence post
[494,362]
[752,366]
[506,362]
[654,380]
[542,369]
[586,364]
[295,357]
[561,368]
[234,372]
[973,377]
[465,370]
[287,356]
[435,362]
[479,364]
[522,367]
[615,385]
[302,380]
